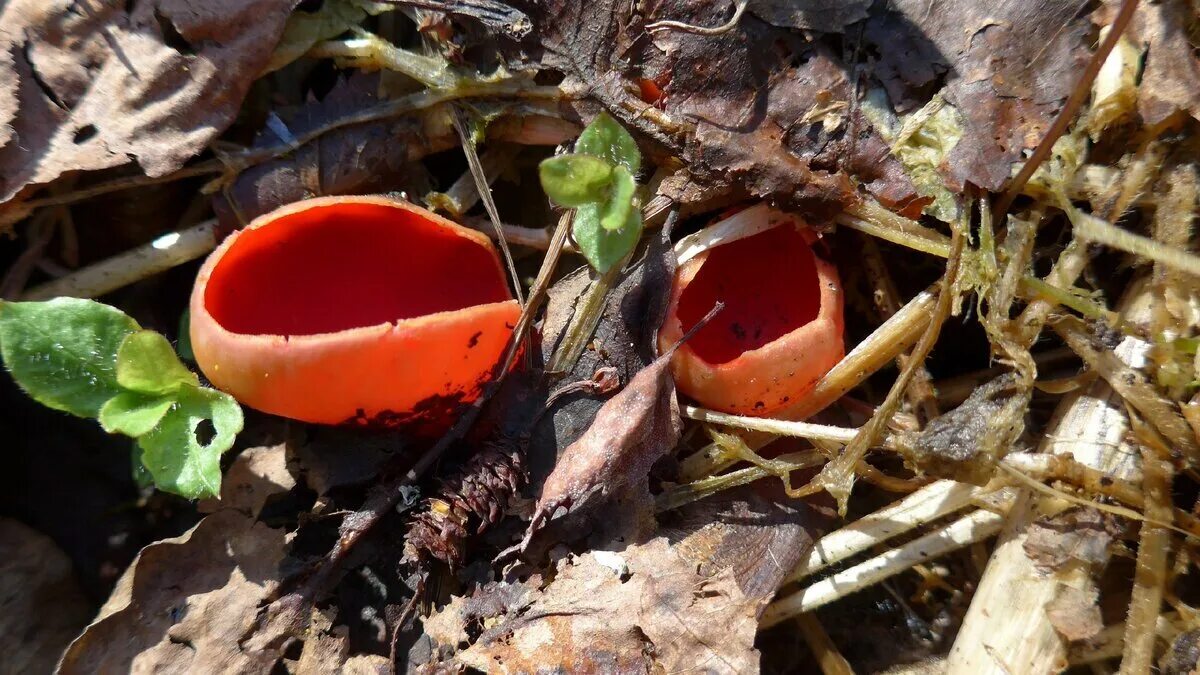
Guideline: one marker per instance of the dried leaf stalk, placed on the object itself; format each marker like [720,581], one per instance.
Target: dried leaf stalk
[1154,547]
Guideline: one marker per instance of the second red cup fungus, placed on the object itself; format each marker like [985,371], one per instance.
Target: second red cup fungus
[781,328]
[353,309]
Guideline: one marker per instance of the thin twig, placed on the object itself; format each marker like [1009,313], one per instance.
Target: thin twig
[667,24]
[485,193]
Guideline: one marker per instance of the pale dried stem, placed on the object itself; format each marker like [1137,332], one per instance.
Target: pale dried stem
[666,24]
[829,659]
[1154,546]
[1006,628]
[974,527]
[921,395]
[837,477]
[916,510]
[106,276]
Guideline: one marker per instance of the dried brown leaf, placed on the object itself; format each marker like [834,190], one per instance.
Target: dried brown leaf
[97,87]
[1172,69]
[185,603]
[653,613]
[41,606]
[256,475]
[1006,65]
[829,16]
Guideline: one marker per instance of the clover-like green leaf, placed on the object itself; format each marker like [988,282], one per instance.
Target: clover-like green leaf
[133,413]
[178,453]
[147,363]
[604,248]
[607,139]
[573,180]
[63,352]
[615,212]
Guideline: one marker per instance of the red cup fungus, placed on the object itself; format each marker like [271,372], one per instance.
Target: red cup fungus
[781,328]
[353,310]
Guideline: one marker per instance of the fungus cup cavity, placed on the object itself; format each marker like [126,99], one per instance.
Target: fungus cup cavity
[357,310]
[781,328]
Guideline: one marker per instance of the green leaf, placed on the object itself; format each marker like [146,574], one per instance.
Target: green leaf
[141,475]
[133,414]
[620,200]
[604,248]
[176,457]
[184,346]
[146,363]
[573,180]
[63,352]
[607,139]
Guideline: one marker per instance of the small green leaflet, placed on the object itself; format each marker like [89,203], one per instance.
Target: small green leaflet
[574,180]
[177,458]
[146,363]
[604,248]
[607,139]
[598,181]
[92,360]
[134,414]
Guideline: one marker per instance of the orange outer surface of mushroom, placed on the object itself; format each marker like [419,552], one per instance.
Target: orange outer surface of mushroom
[780,330]
[353,309]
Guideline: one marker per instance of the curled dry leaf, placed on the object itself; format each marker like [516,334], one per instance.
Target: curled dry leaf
[1168,82]
[965,443]
[660,616]
[256,475]
[186,603]
[1074,613]
[359,159]
[153,82]
[41,606]
[1077,534]
[1006,65]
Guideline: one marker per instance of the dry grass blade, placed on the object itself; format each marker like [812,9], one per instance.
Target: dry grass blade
[916,510]
[1095,230]
[976,526]
[837,478]
[828,657]
[483,185]
[1154,546]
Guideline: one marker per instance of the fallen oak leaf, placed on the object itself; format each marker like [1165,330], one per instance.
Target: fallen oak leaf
[631,432]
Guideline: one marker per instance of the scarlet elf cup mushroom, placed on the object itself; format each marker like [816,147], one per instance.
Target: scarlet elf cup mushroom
[781,328]
[353,309]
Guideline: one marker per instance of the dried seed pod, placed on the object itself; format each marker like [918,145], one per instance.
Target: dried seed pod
[781,329]
[353,309]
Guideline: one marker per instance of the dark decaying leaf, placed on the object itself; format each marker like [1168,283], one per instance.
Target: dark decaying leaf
[1006,65]
[829,16]
[643,418]
[359,159]
[96,86]
[1076,535]
[1172,61]
[186,603]
[966,443]
[642,609]
[43,607]
[1074,613]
